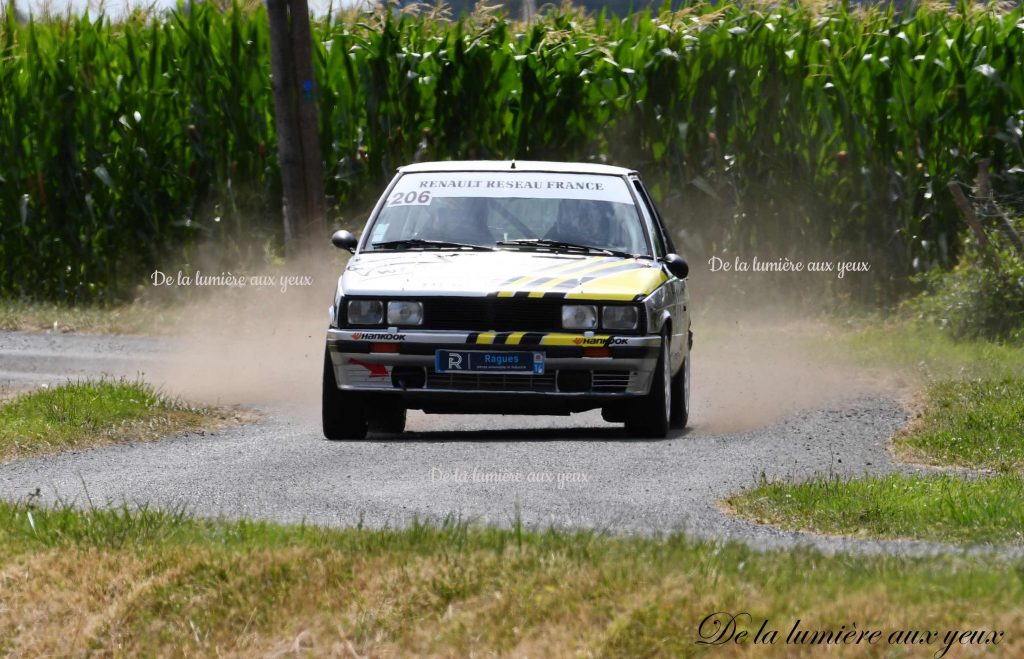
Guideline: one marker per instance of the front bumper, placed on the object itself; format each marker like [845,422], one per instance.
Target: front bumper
[402,361]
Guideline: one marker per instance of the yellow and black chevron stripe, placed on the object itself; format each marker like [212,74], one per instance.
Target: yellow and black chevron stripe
[596,278]
[511,287]
[505,338]
[537,339]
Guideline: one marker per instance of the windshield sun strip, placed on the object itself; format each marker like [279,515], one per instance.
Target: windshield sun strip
[632,202]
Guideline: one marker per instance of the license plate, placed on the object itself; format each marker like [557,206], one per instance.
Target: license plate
[489,361]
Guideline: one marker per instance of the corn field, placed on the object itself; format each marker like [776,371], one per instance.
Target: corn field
[768,131]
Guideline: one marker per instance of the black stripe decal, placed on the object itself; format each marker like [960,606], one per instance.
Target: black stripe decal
[555,295]
[473,336]
[574,283]
[590,264]
[534,286]
[583,266]
[585,262]
[569,285]
[579,282]
[542,281]
[501,337]
[547,268]
[509,282]
[625,267]
[531,339]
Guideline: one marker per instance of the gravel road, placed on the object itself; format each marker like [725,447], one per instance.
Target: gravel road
[565,471]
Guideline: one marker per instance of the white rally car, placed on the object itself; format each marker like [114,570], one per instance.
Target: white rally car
[512,288]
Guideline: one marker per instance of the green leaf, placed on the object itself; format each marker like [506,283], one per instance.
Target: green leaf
[102,174]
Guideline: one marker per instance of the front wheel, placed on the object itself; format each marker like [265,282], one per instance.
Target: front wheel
[386,416]
[650,415]
[681,396]
[343,412]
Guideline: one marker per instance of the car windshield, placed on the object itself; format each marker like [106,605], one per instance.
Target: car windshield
[509,210]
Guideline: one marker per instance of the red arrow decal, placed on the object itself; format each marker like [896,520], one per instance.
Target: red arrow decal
[376,370]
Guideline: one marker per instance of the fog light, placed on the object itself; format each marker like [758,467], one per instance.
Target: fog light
[408,377]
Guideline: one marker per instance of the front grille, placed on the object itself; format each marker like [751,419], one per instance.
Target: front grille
[602,382]
[493,314]
[490,381]
[608,382]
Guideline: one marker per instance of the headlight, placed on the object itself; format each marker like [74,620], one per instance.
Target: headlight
[618,318]
[365,312]
[579,316]
[405,313]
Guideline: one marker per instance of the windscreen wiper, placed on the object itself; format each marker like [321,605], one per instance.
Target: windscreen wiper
[420,243]
[556,245]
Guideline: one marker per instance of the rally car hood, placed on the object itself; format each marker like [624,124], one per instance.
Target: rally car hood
[503,273]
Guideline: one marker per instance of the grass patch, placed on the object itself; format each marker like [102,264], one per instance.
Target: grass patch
[971,423]
[927,353]
[150,583]
[940,507]
[973,404]
[92,413]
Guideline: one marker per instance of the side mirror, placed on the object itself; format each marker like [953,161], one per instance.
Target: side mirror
[344,240]
[677,265]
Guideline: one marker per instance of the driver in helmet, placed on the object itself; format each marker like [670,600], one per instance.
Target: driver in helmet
[584,222]
[460,220]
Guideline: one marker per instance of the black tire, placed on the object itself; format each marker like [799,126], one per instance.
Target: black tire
[386,416]
[343,412]
[650,415]
[615,413]
[681,396]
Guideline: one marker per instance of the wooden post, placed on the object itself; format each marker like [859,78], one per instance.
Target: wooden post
[968,212]
[285,119]
[295,117]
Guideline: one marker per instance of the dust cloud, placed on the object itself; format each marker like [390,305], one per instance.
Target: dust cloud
[758,354]
[770,346]
[258,344]
[753,371]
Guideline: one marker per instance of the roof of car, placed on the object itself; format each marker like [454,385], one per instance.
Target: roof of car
[515,165]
